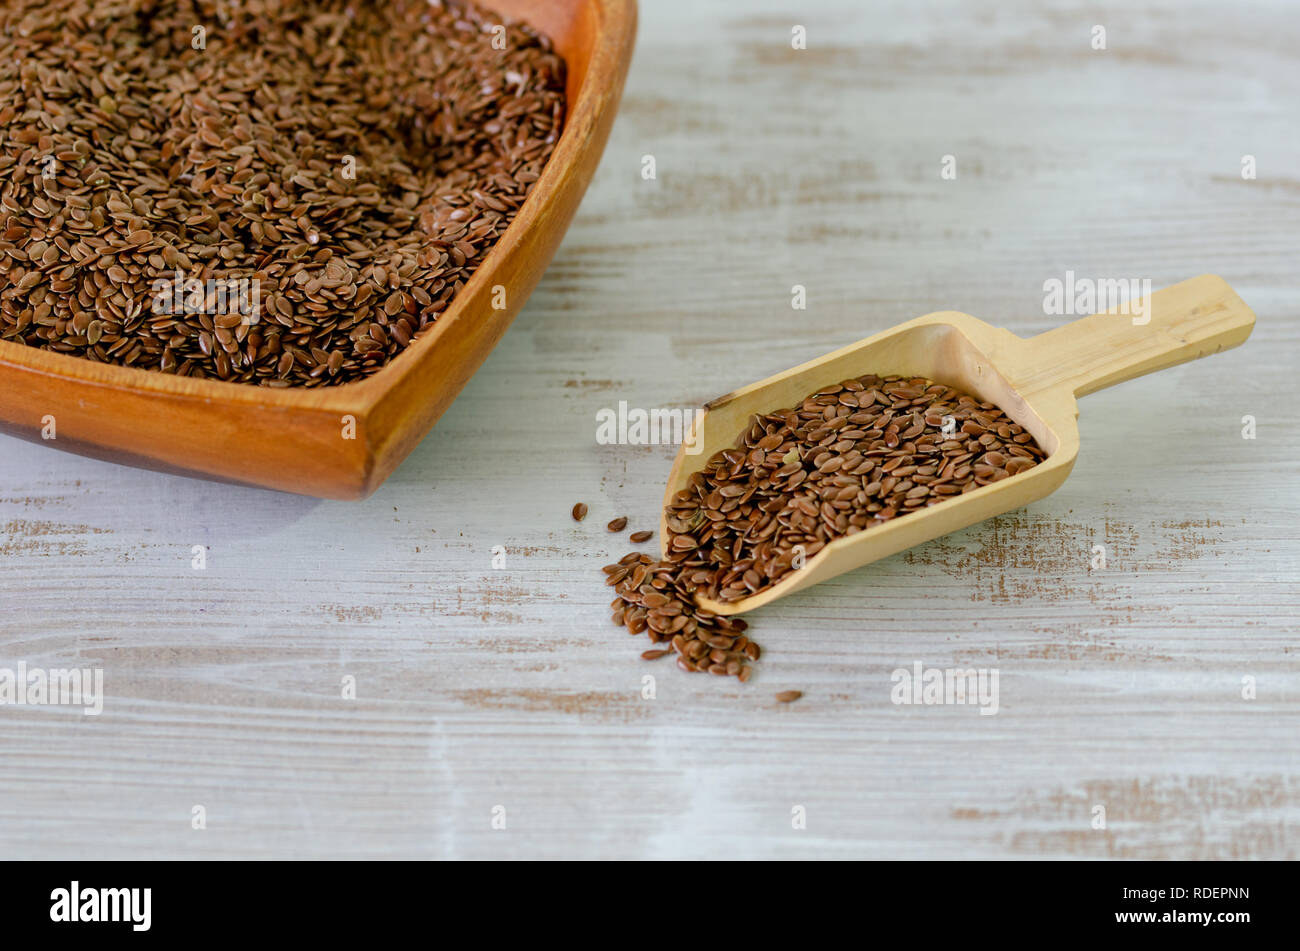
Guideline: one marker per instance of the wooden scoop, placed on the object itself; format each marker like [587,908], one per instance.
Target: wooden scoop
[1034,381]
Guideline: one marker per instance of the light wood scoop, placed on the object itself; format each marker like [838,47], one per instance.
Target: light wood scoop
[1035,381]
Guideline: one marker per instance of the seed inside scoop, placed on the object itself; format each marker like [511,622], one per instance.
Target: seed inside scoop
[850,457]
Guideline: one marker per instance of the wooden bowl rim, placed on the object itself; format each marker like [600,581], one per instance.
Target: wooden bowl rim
[613,36]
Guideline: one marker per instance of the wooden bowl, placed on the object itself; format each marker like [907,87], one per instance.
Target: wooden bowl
[297,440]
[1035,381]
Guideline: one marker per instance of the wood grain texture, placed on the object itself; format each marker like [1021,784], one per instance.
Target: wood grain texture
[479,687]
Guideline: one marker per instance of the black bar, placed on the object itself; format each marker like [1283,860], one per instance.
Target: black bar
[332,900]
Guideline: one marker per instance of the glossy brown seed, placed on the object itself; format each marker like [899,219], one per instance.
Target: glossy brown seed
[851,456]
[618,524]
[579,511]
[788,696]
[636,538]
[360,208]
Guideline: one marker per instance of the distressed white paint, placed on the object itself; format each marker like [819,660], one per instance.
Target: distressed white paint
[481,687]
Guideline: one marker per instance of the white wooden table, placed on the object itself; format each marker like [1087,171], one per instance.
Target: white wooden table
[479,687]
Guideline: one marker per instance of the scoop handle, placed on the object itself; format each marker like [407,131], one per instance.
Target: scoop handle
[1192,319]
